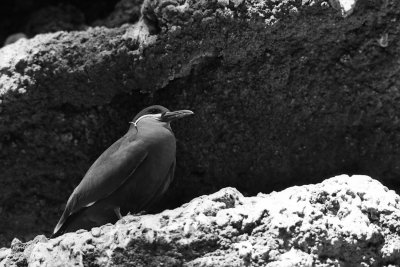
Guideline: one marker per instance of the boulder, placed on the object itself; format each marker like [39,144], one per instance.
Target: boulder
[343,221]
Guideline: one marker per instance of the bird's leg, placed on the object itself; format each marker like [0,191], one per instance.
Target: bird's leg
[117,211]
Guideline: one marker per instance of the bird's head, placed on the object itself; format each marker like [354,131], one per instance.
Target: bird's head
[161,114]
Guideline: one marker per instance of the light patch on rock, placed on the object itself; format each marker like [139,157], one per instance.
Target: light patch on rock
[345,6]
[11,54]
[14,38]
[19,53]
[223,2]
[139,32]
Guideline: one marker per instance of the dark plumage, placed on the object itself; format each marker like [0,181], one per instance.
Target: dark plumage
[129,176]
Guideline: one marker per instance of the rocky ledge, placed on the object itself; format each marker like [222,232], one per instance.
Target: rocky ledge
[343,221]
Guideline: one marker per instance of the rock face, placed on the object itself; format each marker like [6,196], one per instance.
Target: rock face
[285,92]
[343,221]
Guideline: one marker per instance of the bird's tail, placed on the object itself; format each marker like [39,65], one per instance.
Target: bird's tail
[65,220]
[61,226]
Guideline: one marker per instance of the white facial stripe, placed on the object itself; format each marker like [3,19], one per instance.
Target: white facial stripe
[155,116]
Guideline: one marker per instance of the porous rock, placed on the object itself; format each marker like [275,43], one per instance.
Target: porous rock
[285,92]
[345,6]
[343,221]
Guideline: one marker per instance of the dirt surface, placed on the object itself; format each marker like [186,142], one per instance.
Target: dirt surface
[285,93]
[344,221]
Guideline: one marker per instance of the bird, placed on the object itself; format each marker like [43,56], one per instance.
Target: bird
[129,176]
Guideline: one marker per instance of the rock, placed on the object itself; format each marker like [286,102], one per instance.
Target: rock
[285,92]
[96,232]
[345,6]
[14,37]
[4,252]
[346,221]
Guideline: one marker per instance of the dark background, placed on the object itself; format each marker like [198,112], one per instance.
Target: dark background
[42,16]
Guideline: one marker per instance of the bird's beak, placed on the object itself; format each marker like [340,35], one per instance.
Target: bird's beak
[173,115]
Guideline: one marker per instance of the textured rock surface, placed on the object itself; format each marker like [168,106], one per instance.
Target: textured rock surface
[285,92]
[343,221]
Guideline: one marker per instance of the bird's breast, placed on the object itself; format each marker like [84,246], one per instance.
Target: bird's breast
[157,137]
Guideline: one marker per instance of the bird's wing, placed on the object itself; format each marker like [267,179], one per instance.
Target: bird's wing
[170,177]
[161,190]
[106,174]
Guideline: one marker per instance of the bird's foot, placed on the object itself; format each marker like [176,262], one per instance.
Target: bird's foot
[118,212]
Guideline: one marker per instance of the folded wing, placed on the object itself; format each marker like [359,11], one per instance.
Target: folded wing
[106,174]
